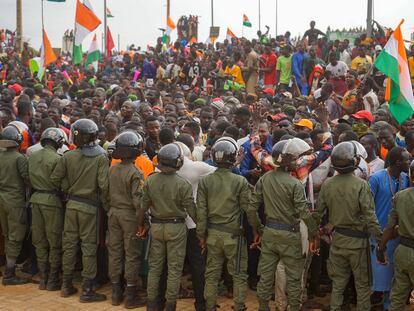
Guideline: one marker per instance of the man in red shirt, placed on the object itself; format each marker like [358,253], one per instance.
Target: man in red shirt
[268,67]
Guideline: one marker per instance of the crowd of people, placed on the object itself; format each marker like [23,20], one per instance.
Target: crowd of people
[261,164]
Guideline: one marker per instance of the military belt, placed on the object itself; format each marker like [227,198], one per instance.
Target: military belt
[84,200]
[167,221]
[53,192]
[352,233]
[407,242]
[223,228]
[282,227]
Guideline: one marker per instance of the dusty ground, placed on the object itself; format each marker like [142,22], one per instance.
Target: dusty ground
[28,297]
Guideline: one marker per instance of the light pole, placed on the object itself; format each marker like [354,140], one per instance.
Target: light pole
[260,17]
[369,19]
[19,24]
[212,13]
[276,21]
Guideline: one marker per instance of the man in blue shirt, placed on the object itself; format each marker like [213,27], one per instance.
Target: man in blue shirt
[249,167]
[384,185]
[298,60]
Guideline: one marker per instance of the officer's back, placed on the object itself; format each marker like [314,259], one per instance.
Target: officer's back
[166,191]
[83,175]
[224,196]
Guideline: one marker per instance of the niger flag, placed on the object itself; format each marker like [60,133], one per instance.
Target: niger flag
[85,22]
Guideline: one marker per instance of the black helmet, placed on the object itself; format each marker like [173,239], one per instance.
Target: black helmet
[224,151]
[277,152]
[54,135]
[127,145]
[345,158]
[170,158]
[84,133]
[12,135]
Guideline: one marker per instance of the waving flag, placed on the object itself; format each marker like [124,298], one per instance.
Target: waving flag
[109,13]
[93,55]
[170,27]
[109,42]
[392,61]
[85,22]
[246,21]
[47,56]
[230,34]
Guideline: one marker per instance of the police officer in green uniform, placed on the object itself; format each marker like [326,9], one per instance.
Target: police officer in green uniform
[351,210]
[222,198]
[401,222]
[14,178]
[47,210]
[169,198]
[125,192]
[83,175]
[285,204]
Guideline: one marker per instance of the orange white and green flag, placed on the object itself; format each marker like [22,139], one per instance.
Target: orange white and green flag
[85,22]
[392,61]
[230,34]
[170,27]
[246,21]
[47,56]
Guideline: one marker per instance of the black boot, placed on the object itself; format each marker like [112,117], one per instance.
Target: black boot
[88,294]
[53,282]
[152,305]
[132,300]
[67,288]
[116,294]
[10,277]
[171,306]
[44,276]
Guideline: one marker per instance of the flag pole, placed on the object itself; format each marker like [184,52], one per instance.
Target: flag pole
[43,25]
[105,29]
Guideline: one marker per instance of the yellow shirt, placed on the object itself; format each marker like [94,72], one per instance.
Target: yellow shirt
[236,72]
[411,68]
[359,62]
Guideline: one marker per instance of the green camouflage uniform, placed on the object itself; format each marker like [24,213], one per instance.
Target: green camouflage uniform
[87,178]
[221,198]
[402,215]
[125,191]
[14,178]
[167,196]
[284,204]
[47,211]
[350,206]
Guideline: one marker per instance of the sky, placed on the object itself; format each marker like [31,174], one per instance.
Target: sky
[137,21]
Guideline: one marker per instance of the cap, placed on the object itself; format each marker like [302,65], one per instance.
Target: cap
[269,91]
[345,119]
[17,88]
[217,103]
[364,114]
[305,123]
[287,94]
[378,48]
[277,117]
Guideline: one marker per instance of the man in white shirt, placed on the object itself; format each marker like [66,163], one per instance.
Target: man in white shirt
[337,68]
[193,172]
[344,56]
[370,143]
[370,98]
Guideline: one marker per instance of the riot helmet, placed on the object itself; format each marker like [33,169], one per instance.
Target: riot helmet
[170,158]
[128,145]
[224,151]
[54,136]
[10,137]
[345,157]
